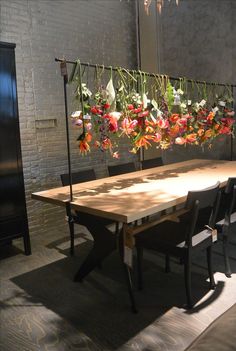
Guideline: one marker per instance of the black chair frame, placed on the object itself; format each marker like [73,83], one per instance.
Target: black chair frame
[183,235]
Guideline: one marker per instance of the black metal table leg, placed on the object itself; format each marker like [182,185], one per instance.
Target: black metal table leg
[104,244]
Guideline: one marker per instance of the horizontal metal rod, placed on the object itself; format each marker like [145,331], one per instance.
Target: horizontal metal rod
[146,73]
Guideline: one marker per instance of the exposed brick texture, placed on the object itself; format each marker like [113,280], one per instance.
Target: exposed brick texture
[98,31]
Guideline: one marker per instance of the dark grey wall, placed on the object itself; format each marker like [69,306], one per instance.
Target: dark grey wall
[196,40]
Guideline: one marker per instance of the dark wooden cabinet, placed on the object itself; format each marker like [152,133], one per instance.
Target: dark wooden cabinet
[13,215]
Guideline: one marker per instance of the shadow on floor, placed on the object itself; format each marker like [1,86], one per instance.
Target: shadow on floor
[99,307]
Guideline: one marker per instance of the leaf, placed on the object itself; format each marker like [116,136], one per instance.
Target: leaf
[145,100]
[154,104]
[169,96]
[111,95]
[73,72]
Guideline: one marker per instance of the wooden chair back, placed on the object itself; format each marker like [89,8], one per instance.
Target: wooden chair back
[203,208]
[152,162]
[78,177]
[121,169]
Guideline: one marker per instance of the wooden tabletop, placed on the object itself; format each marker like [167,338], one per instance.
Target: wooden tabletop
[132,196]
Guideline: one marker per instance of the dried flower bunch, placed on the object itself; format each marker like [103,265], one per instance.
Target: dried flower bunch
[172,114]
[159,5]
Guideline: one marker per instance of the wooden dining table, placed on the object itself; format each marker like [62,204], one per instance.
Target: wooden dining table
[130,197]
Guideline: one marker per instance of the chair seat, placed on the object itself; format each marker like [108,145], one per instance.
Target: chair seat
[232,219]
[170,236]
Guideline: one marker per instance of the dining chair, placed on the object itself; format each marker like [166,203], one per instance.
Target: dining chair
[122,168]
[181,236]
[78,177]
[225,218]
[152,162]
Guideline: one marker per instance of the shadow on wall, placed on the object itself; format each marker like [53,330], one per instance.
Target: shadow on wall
[220,150]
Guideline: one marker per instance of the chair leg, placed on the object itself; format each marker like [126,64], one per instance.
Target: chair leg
[139,267]
[167,263]
[72,237]
[187,277]
[226,256]
[210,271]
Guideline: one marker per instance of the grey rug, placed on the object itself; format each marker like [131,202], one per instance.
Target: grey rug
[43,309]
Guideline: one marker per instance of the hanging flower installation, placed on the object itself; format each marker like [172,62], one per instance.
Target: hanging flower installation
[169,117]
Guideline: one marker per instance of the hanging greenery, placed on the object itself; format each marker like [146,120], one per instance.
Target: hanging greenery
[167,114]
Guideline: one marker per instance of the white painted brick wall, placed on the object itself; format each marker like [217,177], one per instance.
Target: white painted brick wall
[98,31]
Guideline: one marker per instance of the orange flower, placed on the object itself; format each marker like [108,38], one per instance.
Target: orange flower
[83,147]
[174,117]
[200,132]
[210,116]
[208,134]
[143,141]
[149,129]
[191,138]
[190,128]
[174,131]
[88,137]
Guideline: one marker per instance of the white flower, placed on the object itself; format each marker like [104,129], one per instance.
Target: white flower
[189,102]
[222,103]
[180,92]
[76,114]
[202,103]
[116,115]
[215,109]
[87,117]
[183,105]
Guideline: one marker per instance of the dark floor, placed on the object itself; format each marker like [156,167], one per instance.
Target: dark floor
[43,309]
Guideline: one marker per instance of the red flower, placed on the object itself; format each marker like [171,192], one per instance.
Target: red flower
[106,106]
[94,110]
[137,110]
[130,107]
[143,114]
[174,117]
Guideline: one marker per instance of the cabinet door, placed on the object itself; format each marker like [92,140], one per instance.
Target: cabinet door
[13,218]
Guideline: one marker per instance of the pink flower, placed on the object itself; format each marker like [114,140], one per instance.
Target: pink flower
[78,122]
[182,121]
[163,123]
[89,126]
[115,155]
[157,138]
[128,125]
[143,114]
